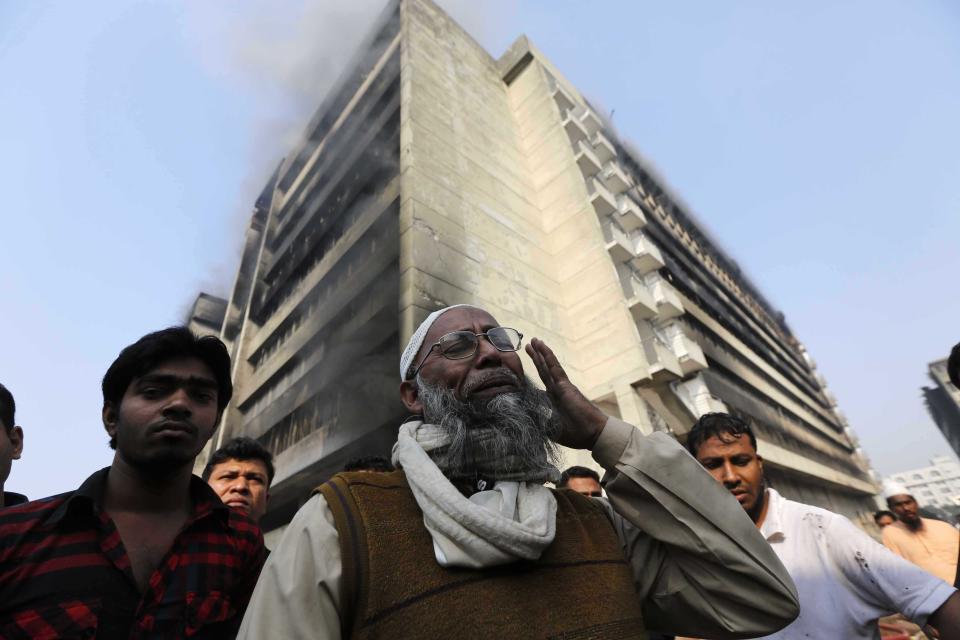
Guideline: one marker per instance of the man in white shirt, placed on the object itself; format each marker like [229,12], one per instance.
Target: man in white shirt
[846,581]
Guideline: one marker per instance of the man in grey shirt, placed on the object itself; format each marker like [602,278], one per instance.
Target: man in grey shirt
[464,540]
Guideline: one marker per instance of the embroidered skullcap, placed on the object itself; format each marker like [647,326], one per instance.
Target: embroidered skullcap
[892,488]
[416,340]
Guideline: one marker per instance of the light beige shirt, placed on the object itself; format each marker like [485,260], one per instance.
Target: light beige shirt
[934,548]
[700,565]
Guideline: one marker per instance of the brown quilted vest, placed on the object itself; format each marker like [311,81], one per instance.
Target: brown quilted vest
[580,588]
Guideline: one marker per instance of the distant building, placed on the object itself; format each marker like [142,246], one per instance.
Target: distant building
[435,174]
[943,403]
[935,486]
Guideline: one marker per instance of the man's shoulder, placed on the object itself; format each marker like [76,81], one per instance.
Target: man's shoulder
[800,514]
[20,520]
[940,526]
[34,509]
[895,530]
[11,499]
[242,525]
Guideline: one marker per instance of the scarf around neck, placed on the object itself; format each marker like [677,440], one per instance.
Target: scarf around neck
[515,520]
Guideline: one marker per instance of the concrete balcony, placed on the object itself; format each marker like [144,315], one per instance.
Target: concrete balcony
[563,99]
[664,365]
[591,121]
[831,399]
[647,256]
[604,202]
[629,214]
[688,353]
[614,177]
[640,300]
[698,398]
[603,147]
[618,244]
[587,160]
[574,128]
[668,300]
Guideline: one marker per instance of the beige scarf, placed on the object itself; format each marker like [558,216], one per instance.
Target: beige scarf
[512,521]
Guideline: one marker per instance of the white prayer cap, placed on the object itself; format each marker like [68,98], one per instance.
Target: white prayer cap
[893,488]
[416,340]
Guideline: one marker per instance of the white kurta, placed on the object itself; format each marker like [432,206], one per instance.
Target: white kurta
[846,580]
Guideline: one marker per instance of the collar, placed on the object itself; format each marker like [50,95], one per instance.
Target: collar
[772,527]
[88,499]
[10,499]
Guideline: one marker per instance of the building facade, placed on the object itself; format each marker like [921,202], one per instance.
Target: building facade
[435,174]
[935,486]
[943,403]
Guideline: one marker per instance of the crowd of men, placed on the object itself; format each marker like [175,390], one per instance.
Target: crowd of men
[457,534]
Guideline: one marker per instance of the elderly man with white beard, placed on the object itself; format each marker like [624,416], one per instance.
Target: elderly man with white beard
[464,540]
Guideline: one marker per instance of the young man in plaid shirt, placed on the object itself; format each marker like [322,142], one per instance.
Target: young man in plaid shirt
[143,548]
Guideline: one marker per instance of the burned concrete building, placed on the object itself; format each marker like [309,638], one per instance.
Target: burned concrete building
[943,402]
[435,174]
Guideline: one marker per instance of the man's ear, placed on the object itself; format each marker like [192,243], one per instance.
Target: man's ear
[410,395]
[109,415]
[16,439]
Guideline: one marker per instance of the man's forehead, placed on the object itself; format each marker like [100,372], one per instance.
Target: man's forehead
[233,464]
[725,444]
[188,368]
[461,318]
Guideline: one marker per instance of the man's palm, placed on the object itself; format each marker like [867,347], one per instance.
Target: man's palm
[582,420]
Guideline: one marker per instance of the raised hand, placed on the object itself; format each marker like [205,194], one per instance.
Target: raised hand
[582,420]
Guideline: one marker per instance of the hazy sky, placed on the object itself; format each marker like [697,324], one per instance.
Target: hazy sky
[818,142]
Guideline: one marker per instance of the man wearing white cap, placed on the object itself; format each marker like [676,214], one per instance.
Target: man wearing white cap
[465,541]
[930,544]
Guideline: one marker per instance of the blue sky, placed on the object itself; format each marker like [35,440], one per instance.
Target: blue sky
[817,142]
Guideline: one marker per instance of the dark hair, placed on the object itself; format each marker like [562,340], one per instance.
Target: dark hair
[953,365]
[714,425]
[153,349]
[369,463]
[880,514]
[7,408]
[577,472]
[242,448]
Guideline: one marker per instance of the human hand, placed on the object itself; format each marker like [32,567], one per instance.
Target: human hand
[582,420]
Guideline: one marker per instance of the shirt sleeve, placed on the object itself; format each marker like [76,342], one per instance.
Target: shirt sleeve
[298,594]
[700,565]
[883,578]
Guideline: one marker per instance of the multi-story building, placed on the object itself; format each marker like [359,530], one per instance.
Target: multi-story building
[935,486]
[943,403]
[435,174]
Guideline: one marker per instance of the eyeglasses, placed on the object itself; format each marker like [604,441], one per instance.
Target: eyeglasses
[458,345]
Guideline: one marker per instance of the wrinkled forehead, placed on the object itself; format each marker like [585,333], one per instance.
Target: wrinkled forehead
[241,466]
[459,319]
[900,499]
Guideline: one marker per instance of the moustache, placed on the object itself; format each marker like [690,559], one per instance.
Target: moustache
[490,378]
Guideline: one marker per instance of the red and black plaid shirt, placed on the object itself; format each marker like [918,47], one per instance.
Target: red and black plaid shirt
[64,572]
